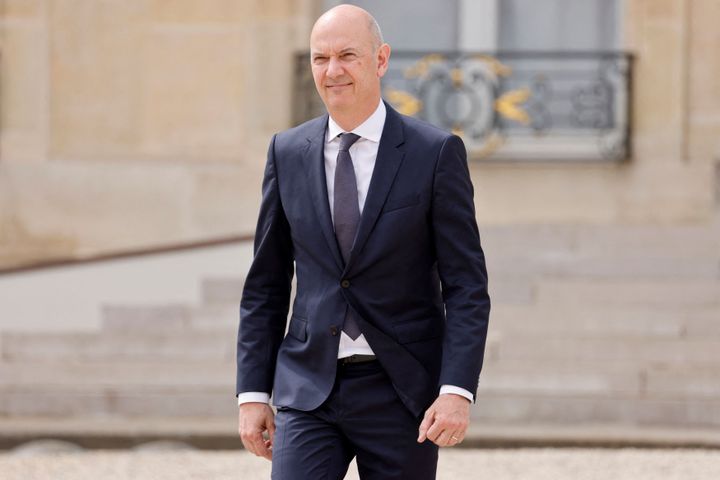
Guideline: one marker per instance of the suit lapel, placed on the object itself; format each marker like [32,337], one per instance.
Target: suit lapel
[314,166]
[387,163]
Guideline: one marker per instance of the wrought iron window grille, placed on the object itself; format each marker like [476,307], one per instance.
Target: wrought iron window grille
[508,105]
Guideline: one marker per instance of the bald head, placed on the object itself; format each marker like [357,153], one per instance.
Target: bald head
[355,15]
[348,59]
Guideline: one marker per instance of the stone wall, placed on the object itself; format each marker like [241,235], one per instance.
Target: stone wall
[675,135]
[131,124]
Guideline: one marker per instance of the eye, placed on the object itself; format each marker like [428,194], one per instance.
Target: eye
[319,59]
[349,56]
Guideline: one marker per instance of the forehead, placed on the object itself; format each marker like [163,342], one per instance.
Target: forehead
[339,36]
[336,46]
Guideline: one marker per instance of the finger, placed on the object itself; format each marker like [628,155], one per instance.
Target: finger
[249,440]
[259,446]
[424,425]
[435,430]
[248,443]
[443,439]
[454,439]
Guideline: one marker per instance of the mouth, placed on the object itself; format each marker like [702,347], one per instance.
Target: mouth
[338,85]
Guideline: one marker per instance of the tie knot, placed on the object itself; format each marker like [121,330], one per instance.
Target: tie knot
[346,140]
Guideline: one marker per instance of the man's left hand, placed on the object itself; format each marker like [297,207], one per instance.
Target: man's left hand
[446,421]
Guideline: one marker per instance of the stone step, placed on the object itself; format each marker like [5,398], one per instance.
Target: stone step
[648,352]
[683,384]
[559,383]
[222,290]
[683,241]
[119,375]
[583,410]
[119,346]
[696,241]
[174,317]
[141,318]
[198,377]
[606,320]
[224,317]
[511,290]
[558,378]
[216,433]
[586,378]
[625,266]
[489,407]
[693,295]
[178,402]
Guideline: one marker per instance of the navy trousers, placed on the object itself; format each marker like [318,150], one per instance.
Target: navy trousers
[364,418]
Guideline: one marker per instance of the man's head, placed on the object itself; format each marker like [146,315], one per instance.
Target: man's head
[348,58]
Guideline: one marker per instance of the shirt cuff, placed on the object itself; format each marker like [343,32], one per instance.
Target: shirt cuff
[247,397]
[457,390]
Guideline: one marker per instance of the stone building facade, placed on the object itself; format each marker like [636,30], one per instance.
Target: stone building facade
[131,124]
[126,125]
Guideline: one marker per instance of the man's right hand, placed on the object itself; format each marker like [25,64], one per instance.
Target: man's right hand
[254,419]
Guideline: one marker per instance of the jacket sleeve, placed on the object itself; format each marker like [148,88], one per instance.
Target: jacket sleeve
[461,266]
[266,294]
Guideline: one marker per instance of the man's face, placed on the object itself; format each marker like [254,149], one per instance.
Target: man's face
[346,66]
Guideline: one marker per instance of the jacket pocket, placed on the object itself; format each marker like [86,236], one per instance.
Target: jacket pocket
[402,202]
[298,328]
[417,330]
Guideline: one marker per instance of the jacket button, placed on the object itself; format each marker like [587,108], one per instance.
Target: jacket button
[345,283]
[333,331]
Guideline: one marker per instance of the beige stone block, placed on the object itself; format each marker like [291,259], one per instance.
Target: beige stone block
[659,77]
[205,11]
[704,140]
[24,93]
[226,199]
[705,61]
[663,9]
[19,247]
[277,9]
[667,191]
[268,109]
[74,208]
[22,8]
[632,23]
[102,207]
[94,77]
[193,93]
[545,192]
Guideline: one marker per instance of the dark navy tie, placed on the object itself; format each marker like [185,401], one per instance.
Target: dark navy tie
[346,212]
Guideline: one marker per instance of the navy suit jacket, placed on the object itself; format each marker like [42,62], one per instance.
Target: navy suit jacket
[416,276]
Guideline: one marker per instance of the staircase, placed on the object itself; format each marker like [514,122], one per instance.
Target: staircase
[603,325]
[590,325]
[145,360]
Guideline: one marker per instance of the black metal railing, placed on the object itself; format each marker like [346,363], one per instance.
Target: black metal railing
[508,105]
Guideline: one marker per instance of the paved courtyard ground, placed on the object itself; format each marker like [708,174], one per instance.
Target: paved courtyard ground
[520,464]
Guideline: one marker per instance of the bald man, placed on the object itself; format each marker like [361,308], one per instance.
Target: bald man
[374,213]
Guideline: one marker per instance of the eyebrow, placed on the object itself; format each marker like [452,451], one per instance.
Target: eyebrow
[341,52]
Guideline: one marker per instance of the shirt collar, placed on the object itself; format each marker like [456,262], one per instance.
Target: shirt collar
[371,129]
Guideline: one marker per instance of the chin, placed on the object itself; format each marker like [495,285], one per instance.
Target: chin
[337,102]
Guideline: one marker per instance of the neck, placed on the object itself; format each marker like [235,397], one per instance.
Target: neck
[350,119]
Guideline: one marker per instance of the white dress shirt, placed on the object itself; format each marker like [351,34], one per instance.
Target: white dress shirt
[363,153]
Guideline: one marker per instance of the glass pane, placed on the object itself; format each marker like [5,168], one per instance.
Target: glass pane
[417,24]
[558,24]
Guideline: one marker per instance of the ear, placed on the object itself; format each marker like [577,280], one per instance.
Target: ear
[383,57]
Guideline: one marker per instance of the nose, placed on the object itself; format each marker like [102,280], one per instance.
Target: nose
[334,69]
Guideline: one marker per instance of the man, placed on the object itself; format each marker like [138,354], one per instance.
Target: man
[374,211]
